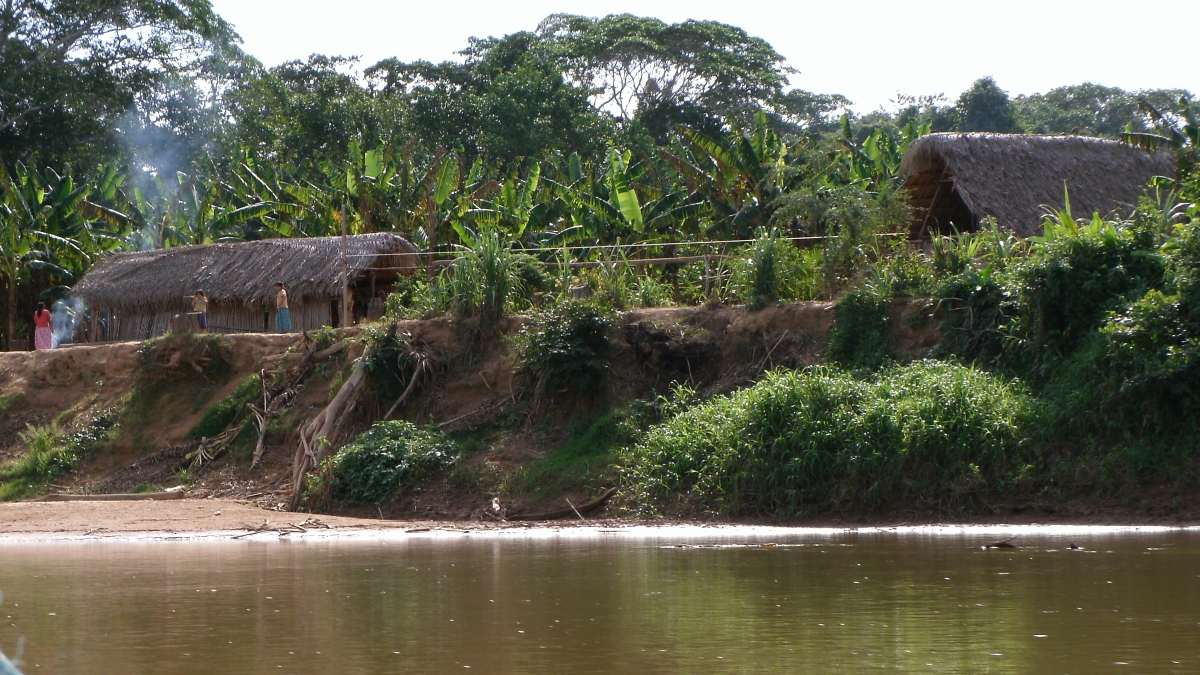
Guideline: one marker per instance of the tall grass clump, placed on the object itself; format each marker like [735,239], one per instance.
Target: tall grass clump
[228,410]
[769,269]
[764,263]
[858,337]
[388,457]
[50,453]
[934,434]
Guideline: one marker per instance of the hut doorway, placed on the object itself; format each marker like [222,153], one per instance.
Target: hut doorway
[938,208]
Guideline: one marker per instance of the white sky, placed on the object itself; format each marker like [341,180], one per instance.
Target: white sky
[866,50]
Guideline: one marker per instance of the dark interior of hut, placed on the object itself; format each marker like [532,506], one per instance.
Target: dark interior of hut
[937,206]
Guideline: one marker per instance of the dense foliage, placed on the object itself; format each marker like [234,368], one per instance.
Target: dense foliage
[931,433]
[389,456]
[578,133]
[566,346]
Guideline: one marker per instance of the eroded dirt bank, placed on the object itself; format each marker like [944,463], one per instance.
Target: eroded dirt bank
[476,392]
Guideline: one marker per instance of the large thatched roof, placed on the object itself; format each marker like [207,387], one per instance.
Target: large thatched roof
[243,273]
[963,178]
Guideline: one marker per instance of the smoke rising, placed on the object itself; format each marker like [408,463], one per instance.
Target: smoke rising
[65,315]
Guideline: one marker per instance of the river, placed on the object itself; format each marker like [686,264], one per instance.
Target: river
[725,601]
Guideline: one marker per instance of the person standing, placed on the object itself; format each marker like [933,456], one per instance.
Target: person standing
[283,319]
[43,331]
[200,308]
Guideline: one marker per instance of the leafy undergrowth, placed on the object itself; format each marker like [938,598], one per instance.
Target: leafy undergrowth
[389,456]
[228,410]
[51,453]
[582,465]
[799,442]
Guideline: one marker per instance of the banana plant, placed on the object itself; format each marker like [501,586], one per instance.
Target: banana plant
[876,162]
[197,210]
[741,175]
[40,218]
[1177,129]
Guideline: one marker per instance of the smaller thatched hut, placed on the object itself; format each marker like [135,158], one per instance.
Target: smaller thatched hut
[954,181]
[134,295]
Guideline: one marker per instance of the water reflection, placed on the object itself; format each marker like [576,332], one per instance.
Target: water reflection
[607,603]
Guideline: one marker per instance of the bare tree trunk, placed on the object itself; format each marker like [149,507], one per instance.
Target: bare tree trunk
[11,318]
[315,434]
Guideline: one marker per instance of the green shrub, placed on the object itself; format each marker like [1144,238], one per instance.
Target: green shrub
[977,308]
[228,410]
[933,433]
[1073,280]
[389,456]
[858,337]
[566,345]
[51,453]
[1139,374]
[390,362]
[412,297]
[533,275]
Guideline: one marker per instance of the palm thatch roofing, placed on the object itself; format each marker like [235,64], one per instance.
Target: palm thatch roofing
[956,180]
[243,272]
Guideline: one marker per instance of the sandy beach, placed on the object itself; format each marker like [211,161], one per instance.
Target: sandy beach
[209,519]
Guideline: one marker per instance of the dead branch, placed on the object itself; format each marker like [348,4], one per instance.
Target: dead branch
[315,435]
[567,513]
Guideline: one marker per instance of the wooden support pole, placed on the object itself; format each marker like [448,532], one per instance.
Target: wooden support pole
[345,318]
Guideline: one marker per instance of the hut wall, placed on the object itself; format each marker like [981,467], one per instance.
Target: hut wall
[223,318]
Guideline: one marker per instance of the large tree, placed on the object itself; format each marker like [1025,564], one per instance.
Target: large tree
[72,70]
[1090,109]
[302,110]
[986,107]
[505,100]
[664,74]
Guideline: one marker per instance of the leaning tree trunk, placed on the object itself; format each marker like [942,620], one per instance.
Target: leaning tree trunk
[315,435]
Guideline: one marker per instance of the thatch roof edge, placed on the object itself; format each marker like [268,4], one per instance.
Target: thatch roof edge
[242,273]
[1013,176]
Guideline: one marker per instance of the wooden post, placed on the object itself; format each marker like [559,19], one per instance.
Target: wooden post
[345,318]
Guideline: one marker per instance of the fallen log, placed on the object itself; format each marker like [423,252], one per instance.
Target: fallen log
[177,494]
[300,356]
[567,513]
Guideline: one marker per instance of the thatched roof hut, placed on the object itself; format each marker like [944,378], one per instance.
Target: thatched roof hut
[956,180]
[141,291]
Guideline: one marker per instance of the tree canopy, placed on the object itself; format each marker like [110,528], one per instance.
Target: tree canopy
[71,70]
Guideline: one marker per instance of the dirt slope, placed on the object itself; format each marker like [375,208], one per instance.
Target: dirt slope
[715,349]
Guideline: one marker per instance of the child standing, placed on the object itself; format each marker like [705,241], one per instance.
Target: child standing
[200,307]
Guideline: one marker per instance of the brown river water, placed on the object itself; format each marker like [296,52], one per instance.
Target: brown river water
[687,601]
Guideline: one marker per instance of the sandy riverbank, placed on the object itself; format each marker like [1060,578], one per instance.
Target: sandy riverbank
[207,519]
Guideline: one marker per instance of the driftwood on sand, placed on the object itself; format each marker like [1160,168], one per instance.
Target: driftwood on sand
[569,512]
[142,496]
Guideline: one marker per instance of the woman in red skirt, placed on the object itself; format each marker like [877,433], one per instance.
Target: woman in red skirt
[43,332]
